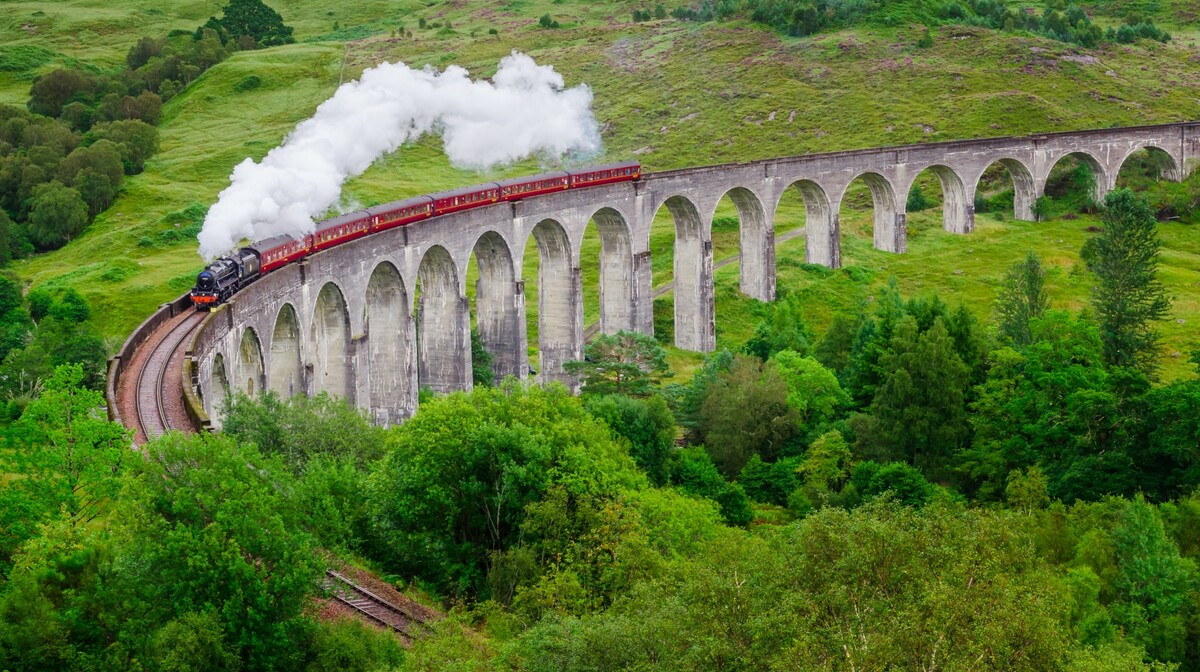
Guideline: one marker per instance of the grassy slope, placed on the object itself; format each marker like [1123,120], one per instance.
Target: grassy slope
[674,94]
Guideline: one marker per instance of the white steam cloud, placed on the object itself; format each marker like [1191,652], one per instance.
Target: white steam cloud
[523,111]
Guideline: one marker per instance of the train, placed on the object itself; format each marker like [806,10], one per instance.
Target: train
[227,275]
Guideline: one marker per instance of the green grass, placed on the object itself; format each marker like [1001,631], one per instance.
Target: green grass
[670,93]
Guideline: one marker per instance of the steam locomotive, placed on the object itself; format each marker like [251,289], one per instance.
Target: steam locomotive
[224,277]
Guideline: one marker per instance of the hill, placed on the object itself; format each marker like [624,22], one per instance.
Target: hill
[673,93]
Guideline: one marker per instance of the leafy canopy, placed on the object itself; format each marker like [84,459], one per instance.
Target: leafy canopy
[627,362]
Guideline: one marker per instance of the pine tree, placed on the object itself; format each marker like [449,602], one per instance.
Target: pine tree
[1022,299]
[919,410]
[1127,297]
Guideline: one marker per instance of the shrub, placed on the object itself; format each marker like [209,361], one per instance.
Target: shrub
[249,83]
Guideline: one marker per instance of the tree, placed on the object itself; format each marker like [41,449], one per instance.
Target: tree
[460,475]
[56,215]
[813,390]
[627,362]
[1022,299]
[919,412]
[783,329]
[746,413]
[916,198]
[256,19]
[205,523]
[825,468]
[1057,406]
[65,455]
[56,88]
[481,362]
[694,473]
[96,172]
[646,423]
[902,481]
[135,139]
[835,346]
[687,400]
[1128,296]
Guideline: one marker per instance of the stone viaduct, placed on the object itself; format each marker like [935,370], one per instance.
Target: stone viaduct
[374,320]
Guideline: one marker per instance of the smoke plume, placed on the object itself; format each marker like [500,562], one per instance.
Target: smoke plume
[523,111]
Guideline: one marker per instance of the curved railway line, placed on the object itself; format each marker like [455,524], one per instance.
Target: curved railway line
[158,392]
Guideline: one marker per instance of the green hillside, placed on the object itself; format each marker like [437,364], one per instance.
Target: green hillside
[672,93]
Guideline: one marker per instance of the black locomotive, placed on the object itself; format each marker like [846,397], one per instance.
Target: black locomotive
[224,277]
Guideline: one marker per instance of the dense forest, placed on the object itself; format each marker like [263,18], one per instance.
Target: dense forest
[64,159]
[914,484]
[916,487]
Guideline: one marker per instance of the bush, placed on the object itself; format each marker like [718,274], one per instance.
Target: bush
[546,22]
[916,200]
[250,83]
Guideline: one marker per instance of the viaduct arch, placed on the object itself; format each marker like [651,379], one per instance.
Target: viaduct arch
[377,319]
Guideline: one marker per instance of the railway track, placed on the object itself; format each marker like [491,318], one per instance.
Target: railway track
[152,382]
[369,606]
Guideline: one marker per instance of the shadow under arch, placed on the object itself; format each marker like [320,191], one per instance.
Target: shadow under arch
[218,390]
[1024,186]
[694,323]
[958,208]
[499,306]
[286,373]
[251,376]
[559,311]
[889,230]
[443,325]
[332,369]
[821,230]
[390,353]
[756,244]
[1100,183]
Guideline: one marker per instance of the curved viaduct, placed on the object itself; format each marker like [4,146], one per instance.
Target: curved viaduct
[374,320]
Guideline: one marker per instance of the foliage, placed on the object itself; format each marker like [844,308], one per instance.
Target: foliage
[1067,24]
[62,455]
[1056,406]
[916,198]
[896,479]
[884,585]
[205,524]
[481,362]
[1022,299]
[813,391]
[627,362]
[301,429]
[783,329]
[57,214]
[770,483]
[647,424]
[254,19]
[1128,297]
[824,472]
[919,412]
[746,412]
[458,477]
[694,473]
[687,400]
